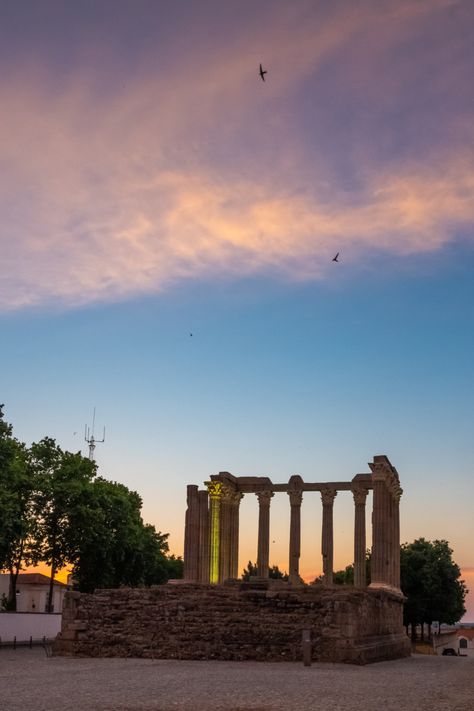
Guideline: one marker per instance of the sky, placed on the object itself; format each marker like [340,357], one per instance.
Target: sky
[168,228]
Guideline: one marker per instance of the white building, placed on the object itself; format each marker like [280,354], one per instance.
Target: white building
[461,640]
[32,591]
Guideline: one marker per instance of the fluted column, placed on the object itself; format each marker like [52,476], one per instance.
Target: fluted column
[215,495]
[360,496]
[396,536]
[191,535]
[234,534]
[203,573]
[263,533]
[327,544]
[378,533]
[296,498]
[225,533]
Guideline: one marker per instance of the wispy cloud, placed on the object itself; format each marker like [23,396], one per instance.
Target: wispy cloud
[205,170]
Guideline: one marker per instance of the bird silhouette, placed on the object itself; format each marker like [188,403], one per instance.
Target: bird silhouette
[190,334]
[262,72]
[336,258]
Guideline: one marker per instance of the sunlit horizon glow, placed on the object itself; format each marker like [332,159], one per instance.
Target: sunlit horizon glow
[152,186]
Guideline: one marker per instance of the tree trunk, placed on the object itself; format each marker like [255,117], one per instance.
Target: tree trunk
[49,604]
[413,631]
[12,589]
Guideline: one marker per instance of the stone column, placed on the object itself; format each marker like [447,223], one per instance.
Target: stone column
[360,496]
[234,536]
[263,533]
[396,536]
[296,498]
[191,535]
[378,533]
[327,545]
[215,495]
[203,536]
[225,533]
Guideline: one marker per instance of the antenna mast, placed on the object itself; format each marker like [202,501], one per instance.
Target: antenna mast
[90,439]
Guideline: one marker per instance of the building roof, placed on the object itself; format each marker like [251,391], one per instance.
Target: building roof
[37,579]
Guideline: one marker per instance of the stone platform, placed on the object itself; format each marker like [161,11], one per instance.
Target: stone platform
[235,621]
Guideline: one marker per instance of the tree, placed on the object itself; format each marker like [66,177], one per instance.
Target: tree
[430,580]
[113,546]
[274,572]
[346,576]
[60,480]
[17,484]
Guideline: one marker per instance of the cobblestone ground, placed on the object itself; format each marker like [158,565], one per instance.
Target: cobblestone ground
[31,681]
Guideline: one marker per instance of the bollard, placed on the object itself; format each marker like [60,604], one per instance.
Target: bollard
[31,642]
[14,642]
[306,645]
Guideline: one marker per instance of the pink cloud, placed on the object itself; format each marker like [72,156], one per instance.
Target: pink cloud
[110,196]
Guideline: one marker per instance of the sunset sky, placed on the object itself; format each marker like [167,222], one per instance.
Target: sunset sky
[153,187]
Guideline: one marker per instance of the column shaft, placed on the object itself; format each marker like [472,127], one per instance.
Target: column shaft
[360,496]
[191,541]
[263,533]
[296,498]
[215,493]
[203,536]
[327,545]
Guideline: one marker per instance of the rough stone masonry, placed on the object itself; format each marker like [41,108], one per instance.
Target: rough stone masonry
[234,622]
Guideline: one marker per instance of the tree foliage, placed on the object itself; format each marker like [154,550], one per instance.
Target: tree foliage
[16,518]
[56,510]
[274,572]
[430,580]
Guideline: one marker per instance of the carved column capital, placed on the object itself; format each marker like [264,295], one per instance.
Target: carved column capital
[264,497]
[296,497]
[360,495]
[215,489]
[328,494]
[236,497]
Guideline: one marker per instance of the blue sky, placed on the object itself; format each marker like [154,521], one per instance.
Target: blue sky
[153,187]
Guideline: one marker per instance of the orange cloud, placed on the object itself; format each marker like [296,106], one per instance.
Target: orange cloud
[109,196]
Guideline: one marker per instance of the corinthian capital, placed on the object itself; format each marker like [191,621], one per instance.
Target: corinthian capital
[328,494]
[296,497]
[215,489]
[359,494]
[264,497]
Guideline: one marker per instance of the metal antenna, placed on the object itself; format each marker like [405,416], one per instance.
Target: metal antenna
[90,439]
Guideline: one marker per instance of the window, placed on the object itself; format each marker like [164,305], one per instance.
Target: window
[463,643]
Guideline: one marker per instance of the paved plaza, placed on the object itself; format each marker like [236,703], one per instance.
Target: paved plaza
[32,682]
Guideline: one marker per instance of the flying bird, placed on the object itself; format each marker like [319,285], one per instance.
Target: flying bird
[336,258]
[263,72]
[190,334]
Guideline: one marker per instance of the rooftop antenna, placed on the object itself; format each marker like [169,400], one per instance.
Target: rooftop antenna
[90,439]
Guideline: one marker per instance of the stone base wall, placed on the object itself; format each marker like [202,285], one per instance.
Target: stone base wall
[234,622]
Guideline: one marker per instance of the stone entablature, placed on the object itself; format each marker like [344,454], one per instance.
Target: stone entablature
[212,525]
[234,622]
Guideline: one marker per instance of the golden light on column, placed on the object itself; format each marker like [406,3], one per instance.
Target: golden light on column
[215,494]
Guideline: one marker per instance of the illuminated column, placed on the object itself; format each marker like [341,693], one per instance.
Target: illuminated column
[215,494]
[203,536]
[296,498]
[234,540]
[360,496]
[191,535]
[327,545]
[263,533]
